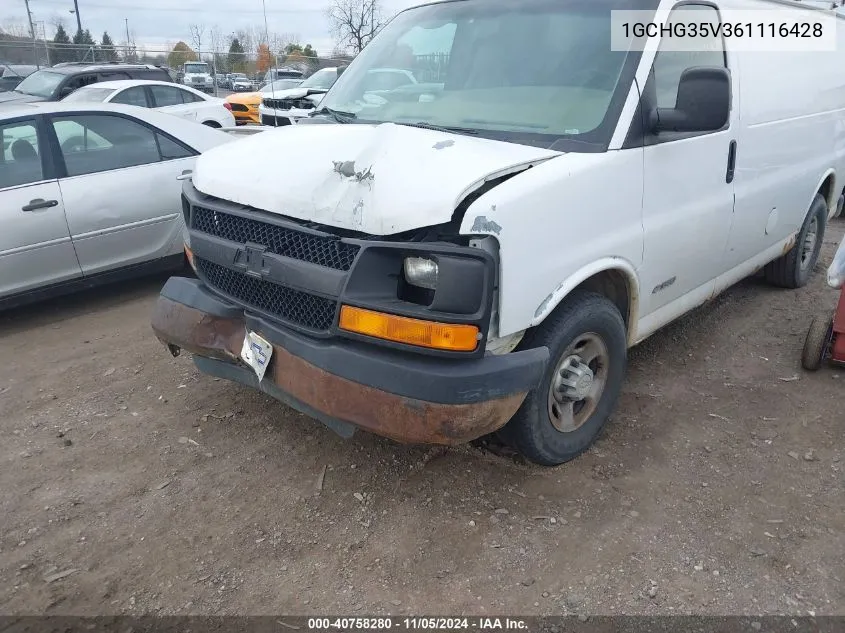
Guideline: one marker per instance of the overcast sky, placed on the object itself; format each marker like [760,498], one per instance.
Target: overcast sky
[155,23]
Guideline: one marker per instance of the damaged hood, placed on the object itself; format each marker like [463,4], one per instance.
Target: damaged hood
[375,179]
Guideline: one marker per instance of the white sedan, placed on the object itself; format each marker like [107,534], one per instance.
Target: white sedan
[91,193]
[167,97]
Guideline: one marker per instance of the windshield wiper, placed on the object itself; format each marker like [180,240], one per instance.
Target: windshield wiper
[440,128]
[338,115]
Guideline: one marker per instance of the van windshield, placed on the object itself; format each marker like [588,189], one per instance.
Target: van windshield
[536,71]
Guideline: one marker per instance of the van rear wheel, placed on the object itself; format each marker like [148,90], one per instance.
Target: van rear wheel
[561,419]
[793,269]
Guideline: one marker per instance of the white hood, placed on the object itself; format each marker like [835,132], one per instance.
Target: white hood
[376,179]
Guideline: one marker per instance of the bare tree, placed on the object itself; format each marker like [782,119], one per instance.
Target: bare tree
[130,48]
[355,22]
[14,29]
[56,20]
[247,38]
[278,41]
[216,38]
[218,47]
[197,32]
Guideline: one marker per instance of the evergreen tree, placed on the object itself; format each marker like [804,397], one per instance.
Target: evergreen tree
[106,51]
[61,51]
[237,59]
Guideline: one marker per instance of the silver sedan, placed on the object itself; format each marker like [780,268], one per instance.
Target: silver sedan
[90,193]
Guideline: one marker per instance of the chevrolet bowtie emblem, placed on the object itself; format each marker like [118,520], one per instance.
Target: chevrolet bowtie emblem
[250,259]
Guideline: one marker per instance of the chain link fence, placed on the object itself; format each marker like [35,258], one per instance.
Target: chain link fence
[216,63]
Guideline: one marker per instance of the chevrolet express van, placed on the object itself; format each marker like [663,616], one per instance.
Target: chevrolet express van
[476,252]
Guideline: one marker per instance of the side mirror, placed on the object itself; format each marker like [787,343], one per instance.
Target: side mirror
[703,103]
[65,92]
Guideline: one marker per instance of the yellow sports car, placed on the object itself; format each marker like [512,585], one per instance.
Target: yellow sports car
[244,105]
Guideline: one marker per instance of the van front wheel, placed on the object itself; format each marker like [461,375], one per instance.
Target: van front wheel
[587,342]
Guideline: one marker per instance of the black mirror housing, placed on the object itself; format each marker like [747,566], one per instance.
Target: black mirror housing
[703,103]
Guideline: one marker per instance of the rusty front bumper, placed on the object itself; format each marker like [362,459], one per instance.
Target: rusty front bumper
[468,406]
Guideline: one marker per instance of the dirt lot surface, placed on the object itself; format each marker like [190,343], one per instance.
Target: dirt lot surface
[133,484]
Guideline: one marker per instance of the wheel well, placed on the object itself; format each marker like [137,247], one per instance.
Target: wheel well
[614,285]
[211,123]
[826,190]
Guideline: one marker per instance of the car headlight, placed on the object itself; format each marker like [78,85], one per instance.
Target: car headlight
[421,272]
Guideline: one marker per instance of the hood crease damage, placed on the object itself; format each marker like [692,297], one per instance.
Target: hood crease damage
[294,171]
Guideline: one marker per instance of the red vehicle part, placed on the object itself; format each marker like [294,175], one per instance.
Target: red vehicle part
[837,348]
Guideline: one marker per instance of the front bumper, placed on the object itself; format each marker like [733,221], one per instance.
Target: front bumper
[243,118]
[347,384]
[280,118]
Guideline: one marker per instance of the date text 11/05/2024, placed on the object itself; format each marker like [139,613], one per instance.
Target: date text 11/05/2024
[417,624]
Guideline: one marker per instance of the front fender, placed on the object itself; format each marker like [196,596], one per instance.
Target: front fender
[606,264]
[558,224]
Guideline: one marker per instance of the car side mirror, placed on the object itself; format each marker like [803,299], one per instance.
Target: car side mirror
[703,103]
[65,92]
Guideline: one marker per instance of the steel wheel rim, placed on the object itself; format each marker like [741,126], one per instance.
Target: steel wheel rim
[569,406]
[809,246]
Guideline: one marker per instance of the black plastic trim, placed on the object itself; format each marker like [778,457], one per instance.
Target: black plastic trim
[371,283]
[297,274]
[440,380]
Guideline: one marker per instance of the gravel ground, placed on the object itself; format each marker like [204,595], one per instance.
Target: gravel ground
[133,484]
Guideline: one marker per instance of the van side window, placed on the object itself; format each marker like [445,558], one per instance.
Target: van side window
[670,64]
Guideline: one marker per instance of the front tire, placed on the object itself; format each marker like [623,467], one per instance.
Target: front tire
[588,350]
[793,269]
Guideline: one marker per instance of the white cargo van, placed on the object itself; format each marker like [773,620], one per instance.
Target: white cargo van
[476,252]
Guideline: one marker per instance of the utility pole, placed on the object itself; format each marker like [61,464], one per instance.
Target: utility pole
[78,19]
[126,20]
[32,32]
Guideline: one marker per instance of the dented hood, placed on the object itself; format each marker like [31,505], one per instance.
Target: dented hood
[376,179]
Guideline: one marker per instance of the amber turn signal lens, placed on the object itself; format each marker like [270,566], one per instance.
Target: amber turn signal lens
[445,336]
[190,255]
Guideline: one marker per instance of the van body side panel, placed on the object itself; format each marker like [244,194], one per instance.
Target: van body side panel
[556,219]
[792,135]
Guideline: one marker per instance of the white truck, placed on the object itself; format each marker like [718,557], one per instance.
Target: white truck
[197,75]
[477,252]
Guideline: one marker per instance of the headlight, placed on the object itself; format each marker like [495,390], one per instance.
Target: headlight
[421,272]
